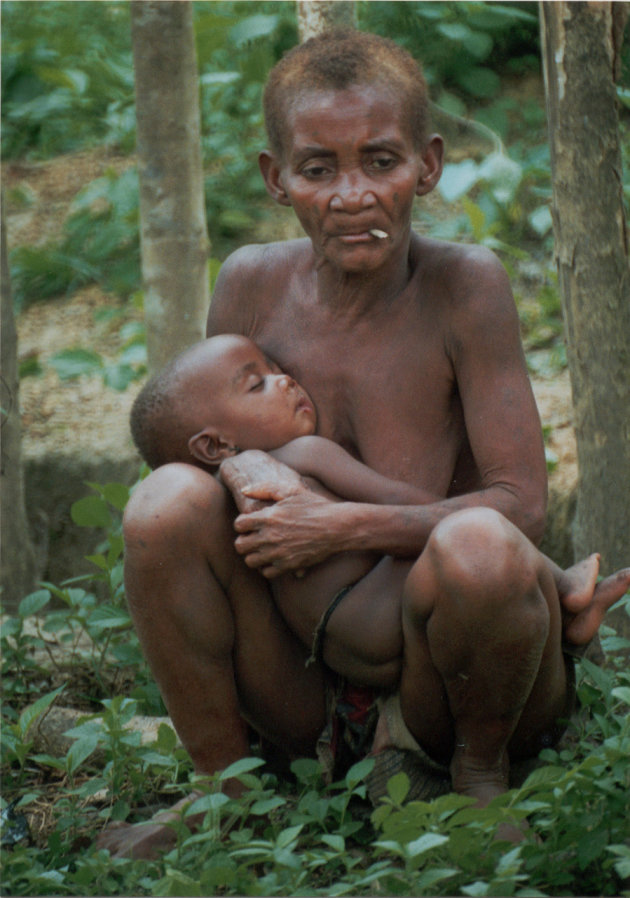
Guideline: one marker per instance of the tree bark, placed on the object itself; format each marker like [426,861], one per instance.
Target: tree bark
[315,16]
[18,556]
[174,236]
[580,47]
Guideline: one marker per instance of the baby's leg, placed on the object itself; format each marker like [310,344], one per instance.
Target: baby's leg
[583,600]
[363,637]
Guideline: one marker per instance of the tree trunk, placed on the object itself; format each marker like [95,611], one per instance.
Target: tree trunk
[580,44]
[315,16]
[174,236]
[18,558]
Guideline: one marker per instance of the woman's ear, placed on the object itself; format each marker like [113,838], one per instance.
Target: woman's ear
[433,162]
[270,171]
[210,448]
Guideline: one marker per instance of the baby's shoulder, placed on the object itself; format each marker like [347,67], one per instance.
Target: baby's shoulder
[302,452]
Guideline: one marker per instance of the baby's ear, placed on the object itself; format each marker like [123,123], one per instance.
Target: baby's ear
[209,447]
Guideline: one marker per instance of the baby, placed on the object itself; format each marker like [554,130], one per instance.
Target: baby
[223,396]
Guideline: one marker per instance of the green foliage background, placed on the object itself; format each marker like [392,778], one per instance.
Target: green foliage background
[67,84]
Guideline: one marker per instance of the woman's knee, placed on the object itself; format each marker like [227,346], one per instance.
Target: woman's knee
[481,549]
[169,500]
[474,558]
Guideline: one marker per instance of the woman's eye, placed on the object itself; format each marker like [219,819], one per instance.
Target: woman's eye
[383,163]
[258,385]
[315,171]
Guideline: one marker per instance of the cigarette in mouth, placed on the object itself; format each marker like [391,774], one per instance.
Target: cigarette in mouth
[382,235]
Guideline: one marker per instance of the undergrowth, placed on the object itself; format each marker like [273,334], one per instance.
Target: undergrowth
[73,645]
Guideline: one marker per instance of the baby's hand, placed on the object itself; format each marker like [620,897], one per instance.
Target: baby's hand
[255,480]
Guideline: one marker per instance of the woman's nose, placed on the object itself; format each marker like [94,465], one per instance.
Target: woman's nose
[352,193]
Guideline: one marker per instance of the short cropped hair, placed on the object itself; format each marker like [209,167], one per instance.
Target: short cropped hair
[157,425]
[337,60]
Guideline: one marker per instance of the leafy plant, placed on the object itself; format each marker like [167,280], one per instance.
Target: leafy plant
[100,243]
[463,46]
[67,79]
[290,837]
[235,55]
[129,366]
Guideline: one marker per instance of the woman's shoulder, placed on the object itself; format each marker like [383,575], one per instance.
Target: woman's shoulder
[266,258]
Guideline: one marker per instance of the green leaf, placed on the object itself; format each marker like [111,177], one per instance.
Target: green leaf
[481,82]
[30,367]
[457,179]
[211,802]
[622,693]
[90,511]
[430,877]
[34,602]
[117,494]
[71,363]
[243,765]
[503,175]
[602,678]
[30,714]
[359,771]
[266,805]
[99,560]
[135,353]
[118,376]
[622,866]
[335,841]
[540,220]
[166,738]
[253,27]
[79,751]
[219,78]
[547,774]
[624,96]
[476,888]
[476,217]
[425,843]
[398,787]
[451,103]
[454,31]
[289,835]
[305,769]
[478,44]
[214,267]
[107,617]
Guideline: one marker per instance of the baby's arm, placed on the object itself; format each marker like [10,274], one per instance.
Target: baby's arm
[343,475]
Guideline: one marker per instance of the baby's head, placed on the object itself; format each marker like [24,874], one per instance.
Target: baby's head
[219,397]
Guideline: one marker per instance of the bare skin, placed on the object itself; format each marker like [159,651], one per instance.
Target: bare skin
[410,349]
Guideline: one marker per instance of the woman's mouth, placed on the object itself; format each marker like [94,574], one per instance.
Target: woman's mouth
[364,236]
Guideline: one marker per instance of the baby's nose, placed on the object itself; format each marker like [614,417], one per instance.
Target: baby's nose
[285,382]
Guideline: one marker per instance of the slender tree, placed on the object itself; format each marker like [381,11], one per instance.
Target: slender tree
[18,558]
[580,57]
[315,16]
[174,236]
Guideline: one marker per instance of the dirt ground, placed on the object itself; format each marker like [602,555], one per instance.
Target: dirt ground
[83,417]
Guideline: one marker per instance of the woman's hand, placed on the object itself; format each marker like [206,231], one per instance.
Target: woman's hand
[291,535]
[283,526]
[255,479]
